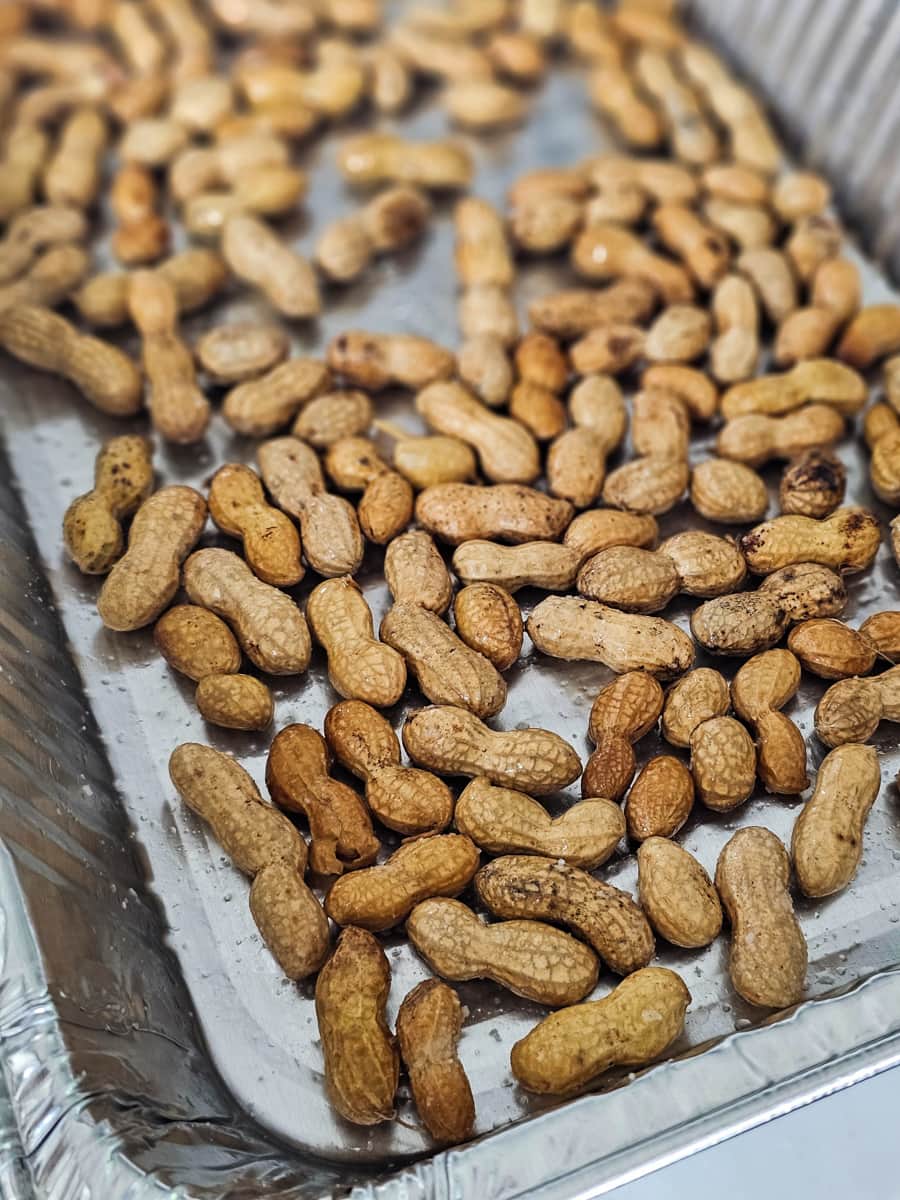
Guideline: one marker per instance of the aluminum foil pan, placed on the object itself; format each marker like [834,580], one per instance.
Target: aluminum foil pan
[150,1045]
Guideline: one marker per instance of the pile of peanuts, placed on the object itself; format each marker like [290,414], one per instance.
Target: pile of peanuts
[708,289]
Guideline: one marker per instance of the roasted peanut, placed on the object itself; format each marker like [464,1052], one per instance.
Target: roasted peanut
[847,541]
[142,235]
[374,360]
[263,844]
[852,709]
[92,525]
[692,387]
[881,430]
[386,505]
[362,1065]
[768,954]
[831,649]
[390,221]
[647,485]
[359,666]
[677,895]
[483,104]
[762,687]
[660,799]
[25,152]
[234,353]
[258,256]
[692,137]
[202,103]
[72,176]
[238,506]
[297,777]
[50,279]
[548,565]
[415,572]
[452,741]
[484,366]
[814,381]
[570,314]
[703,250]
[812,241]
[770,273]
[613,92]
[516,54]
[660,179]
[259,407]
[461,512]
[730,493]
[698,696]
[152,141]
[529,958]
[197,275]
[599,528]
[482,253]
[383,896]
[873,333]
[607,251]
[35,230]
[883,630]
[570,628]
[333,415]
[723,758]
[576,460]
[235,701]
[624,711]
[544,222]
[390,81]
[747,225]
[756,439]
[426,460]
[447,58]
[734,352]
[735,183]
[196,642]
[387,158]
[814,485]
[428,1029]
[612,349]
[835,297]
[267,623]
[489,622]
[543,373]
[507,452]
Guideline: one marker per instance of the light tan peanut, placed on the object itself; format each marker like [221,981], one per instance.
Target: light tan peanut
[332,541]
[735,183]
[427,460]
[770,273]
[660,800]
[538,408]
[266,20]
[440,57]
[756,439]
[428,1027]
[747,622]
[238,506]
[202,103]
[647,485]
[703,250]
[599,528]
[734,352]
[569,314]
[881,429]
[451,741]
[235,702]
[812,241]
[415,572]
[372,361]
[298,779]
[383,896]
[488,621]
[677,894]
[612,90]
[852,709]
[362,1065]
[753,142]
[256,254]
[234,353]
[649,23]
[137,39]
[800,194]
[728,492]
[517,55]
[545,183]
[768,956]
[484,366]
[835,298]
[623,712]
[883,631]
[25,151]
[590,34]
[50,279]
[762,686]
[662,180]
[196,642]
[813,485]
[144,580]
[387,158]
[892,382]
[490,310]
[386,506]
[142,235]
[607,251]
[390,221]
[464,20]
[92,525]
[331,88]
[507,452]
[139,97]
[447,670]
[874,333]
[692,387]
[178,408]
[405,799]
[723,763]
[611,349]
[359,666]
[660,425]
[189,36]
[197,275]
[263,844]
[699,696]
[460,512]
[630,1027]
[333,415]
[620,200]
[72,176]
[816,381]
[576,461]
[529,958]
[548,565]
[390,80]
[749,226]
[259,407]
[680,334]
[827,842]
[692,137]
[152,141]
[484,104]
[102,373]
[570,628]
[847,541]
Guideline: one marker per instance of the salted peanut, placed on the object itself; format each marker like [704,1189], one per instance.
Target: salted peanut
[298,779]
[374,361]
[333,415]
[529,958]
[72,176]
[728,492]
[704,251]
[699,696]
[771,274]
[447,670]
[827,841]
[747,225]
[428,1028]
[762,687]
[260,406]
[574,629]
[238,506]
[488,621]
[359,666]
[152,141]
[576,460]
[660,800]
[848,541]
[677,895]
[609,349]
[179,410]
[415,572]
[507,452]
[874,333]
[756,439]
[692,137]
[800,194]
[679,334]
[623,712]
[612,90]
[235,702]
[386,506]
[610,252]
[599,528]
[452,741]
[263,844]
[571,313]
[831,649]
[736,184]
[258,256]
[144,580]
[735,350]
[768,956]
[818,380]
[835,298]
[390,80]
[196,643]
[233,353]
[484,366]
[547,565]
[460,512]
[36,230]
[813,485]
[387,158]
[691,386]
[362,1065]
[852,709]
[483,104]
[92,525]
[883,631]
[488,309]
[405,799]
[647,485]
[812,241]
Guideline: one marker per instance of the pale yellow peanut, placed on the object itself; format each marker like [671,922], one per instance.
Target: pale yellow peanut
[359,666]
[630,1027]
[258,407]
[143,581]
[852,709]
[660,425]
[333,415]
[749,226]
[762,686]
[574,312]
[800,194]
[202,102]
[140,97]
[427,460]
[390,80]
[387,158]
[814,381]
[622,713]
[650,484]
[756,438]
[488,620]
[735,183]
[883,631]
[551,566]
[35,54]
[465,19]
[136,37]
[677,895]
[234,353]
[692,137]
[238,506]
[699,696]
[386,507]
[680,334]
[484,104]
[329,89]
[390,221]
[235,702]
[416,573]
[599,528]
[847,541]
[612,90]
[92,524]
[874,333]
[576,460]
[452,741]
[735,350]
[517,55]
[549,182]
[152,141]
[73,174]
[881,430]
[812,241]
[35,230]
[189,36]
[660,800]
[507,452]
[25,151]
[571,628]
[621,200]
[440,57]
[268,624]
[813,485]
[428,1029]
[484,366]
[529,958]
[752,141]
[266,19]
[695,390]
[835,298]
[490,310]
[482,254]
[770,273]
[611,349]
[196,643]
[727,492]
[607,251]
[662,180]
[373,361]
[258,256]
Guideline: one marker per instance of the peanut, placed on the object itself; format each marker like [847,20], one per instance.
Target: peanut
[847,541]
[599,528]
[770,273]
[425,460]
[570,314]
[202,103]
[663,181]
[359,666]
[623,712]
[736,184]
[374,361]
[263,844]
[756,439]
[800,194]
[881,429]
[517,54]
[677,895]
[142,235]
[461,512]
[747,225]
[704,251]
[734,352]
[630,1027]
[441,57]
[234,353]
[405,799]
[391,81]
[387,158]
[392,220]
[267,623]
[332,541]
[447,671]
[92,525]
[256,255]
[483,104]
[428,1029]
[874,333]
[831,649]
[852,709]
[152,141]
[814,381]
[452,741]
[197,276]
[698,696]
[484,366]
[72,176]
[543,372]
[692,387]
[544,222]
[730,493]
[813,240]
[692,137]
[50,279]
[386,506]
[235,701]
[547,565]
[332,416]
[570,628]
[25,151]
[258,407]
[768,956]
[489,622]
[660,799]
[883,631]
[762,686]
[576,460]
[835,298]
[613,91]
[196,642]
[607,251]
[380,897]
[297,776]
[529,958]
[34,231]
[507,452]
[813,485]
[415,572]
[362,1065]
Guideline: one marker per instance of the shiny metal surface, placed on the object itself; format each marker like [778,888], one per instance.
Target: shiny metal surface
[151,1046]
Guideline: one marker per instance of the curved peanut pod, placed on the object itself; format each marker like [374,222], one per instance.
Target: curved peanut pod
[428,1029]
[290,919]
[630,1027]
[847,541]
[549,565]
[508,453]
[462,512]
[814,381]
[237,504]
[677,894]
[359,666]
[852,709]
[488,621]
[257,255]
[372,361]
[531,959]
